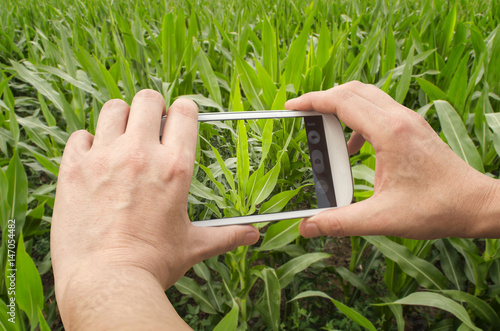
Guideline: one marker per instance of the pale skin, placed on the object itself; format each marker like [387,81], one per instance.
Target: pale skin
[120,231]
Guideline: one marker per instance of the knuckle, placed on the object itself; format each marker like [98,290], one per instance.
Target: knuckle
[355,85]
[137,160]
[177,168]
[334,227]
[185,107]
[77,137]
[398,126]
[113,104]
[149,94]
[343,94]
[231,241]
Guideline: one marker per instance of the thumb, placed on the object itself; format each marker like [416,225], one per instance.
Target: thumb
[359,219]
[218,240]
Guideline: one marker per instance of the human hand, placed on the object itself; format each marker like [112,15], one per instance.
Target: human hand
[121,201]
[422,189]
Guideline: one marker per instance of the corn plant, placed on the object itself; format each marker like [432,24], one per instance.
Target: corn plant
[60,61]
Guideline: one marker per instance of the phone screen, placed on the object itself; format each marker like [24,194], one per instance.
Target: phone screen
[260,166]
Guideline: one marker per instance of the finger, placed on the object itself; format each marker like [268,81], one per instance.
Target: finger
[374,94]
[79,143]
[356,112]
[145,115]
[112,121]
[218,240]
[355,143]
[181,127]
[359,219]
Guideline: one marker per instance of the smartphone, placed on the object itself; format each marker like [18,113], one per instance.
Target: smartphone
[262,166]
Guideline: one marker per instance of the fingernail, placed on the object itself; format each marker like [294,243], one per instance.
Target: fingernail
[311,229]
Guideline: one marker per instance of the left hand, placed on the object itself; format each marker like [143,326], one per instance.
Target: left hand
[121,197]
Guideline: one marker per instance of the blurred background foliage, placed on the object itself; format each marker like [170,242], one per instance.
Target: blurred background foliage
[61,60]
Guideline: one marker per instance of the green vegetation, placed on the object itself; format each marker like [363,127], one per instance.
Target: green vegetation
[61,60]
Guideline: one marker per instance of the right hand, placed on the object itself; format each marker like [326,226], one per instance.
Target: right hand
[422,190]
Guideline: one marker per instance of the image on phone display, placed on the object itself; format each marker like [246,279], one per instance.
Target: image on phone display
[260,166]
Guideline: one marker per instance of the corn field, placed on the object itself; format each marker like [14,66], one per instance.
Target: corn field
[60,61]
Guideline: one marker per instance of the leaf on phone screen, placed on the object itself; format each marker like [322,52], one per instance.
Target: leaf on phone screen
[280,234]
[265,185]
[278,202]
[242,159]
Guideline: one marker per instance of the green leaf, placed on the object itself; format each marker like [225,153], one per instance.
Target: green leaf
[451,263]
[432,91]
[436,300]
[287,271]
[354,280]
[111,86]
[269,49]
[208,77]
[203,101]
[456,134]
[324,45]
[347,311]
[249,82]
[50,93]
[5,324]
[426,274]
[278,202]
[404,82]
[390,52]
[363,172]
[493,121]
[17,196]
[457,93]
[280,234]
[296,56]
[478,306]
[188,286]
[449,27]
[43,323]
[29,291]
[313,79]
[203,272]
[230,321]
[242,159]
[265,185]
[168,42]
[268,87]
[269,305]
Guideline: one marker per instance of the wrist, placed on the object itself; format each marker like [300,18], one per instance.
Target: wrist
[96,297]
[487,222]
[87,290]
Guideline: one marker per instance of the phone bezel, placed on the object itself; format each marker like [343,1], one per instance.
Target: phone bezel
[337,153]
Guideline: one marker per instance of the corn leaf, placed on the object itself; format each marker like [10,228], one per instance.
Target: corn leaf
[287,271]
[351,313]
[423,271]
[456,134]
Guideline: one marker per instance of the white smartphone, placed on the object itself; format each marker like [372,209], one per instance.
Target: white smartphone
[262,166]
